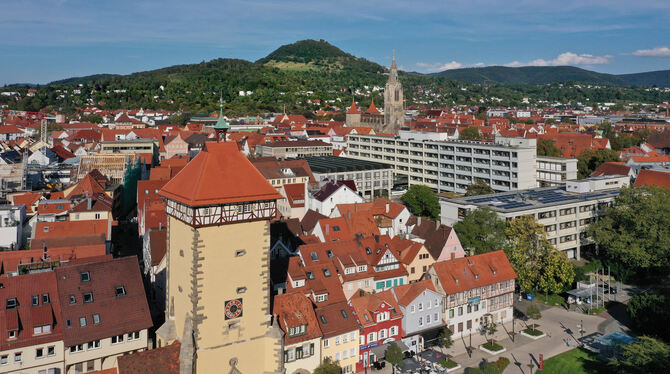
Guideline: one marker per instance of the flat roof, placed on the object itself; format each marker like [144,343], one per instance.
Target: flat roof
[514,201]
[334,164]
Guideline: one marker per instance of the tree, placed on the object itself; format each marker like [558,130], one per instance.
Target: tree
[422,201]
[328,367]
[482,231]
[645,310]
[93,118]
[444,340]
[394,355]
[490,329]
[533,311]
[537,263]
[634,233]
[470,133]
[178,119]
[478,188]
[546,147]
[644,355]
[590,159]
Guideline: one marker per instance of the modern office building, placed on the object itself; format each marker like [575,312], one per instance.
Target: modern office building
[507,164]
[295,149]
[565,212]
[372,178]
[555,171]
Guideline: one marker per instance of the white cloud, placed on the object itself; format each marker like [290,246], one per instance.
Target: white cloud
[567,58]
[432,68]
[654,52]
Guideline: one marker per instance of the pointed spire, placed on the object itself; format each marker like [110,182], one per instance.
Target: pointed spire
[353,109]
[221,124]
[393,71]
[372,108]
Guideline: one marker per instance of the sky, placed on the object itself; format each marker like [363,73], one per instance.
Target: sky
[42,41]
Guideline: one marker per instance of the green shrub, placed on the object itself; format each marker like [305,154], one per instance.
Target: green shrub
[447,363]
[501,363]
[492,346]
[533,332]
[473,371]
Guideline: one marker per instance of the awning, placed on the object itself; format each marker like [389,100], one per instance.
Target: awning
[380,350]
[583,292]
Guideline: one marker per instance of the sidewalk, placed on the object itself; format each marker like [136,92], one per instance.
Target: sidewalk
[560,326]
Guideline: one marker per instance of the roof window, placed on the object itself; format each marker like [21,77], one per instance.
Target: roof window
[344,313]
[323,320]
[314,256]
[86,276]
[88,297]
[326,272]
[310,275]
[120,291]
[330,254]
[12,303]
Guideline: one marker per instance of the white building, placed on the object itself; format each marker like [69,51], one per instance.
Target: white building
[11,226]
[555,171]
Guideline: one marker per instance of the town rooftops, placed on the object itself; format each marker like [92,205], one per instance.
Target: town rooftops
[163,360]
[653,178]
[611,168]
[220,174]
[466,273]
[516,201]
[297,143]
[110,289]
[295,314]
[336,319]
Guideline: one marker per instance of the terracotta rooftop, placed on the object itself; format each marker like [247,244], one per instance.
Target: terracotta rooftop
[466,273]
[219,174]
[163,360]
[295,310]
[336,319]
[611,168]
[648,177]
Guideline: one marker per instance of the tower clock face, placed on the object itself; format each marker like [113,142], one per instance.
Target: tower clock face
[233,308]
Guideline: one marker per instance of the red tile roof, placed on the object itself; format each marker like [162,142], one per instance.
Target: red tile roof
[353,109]
[28,199]
[648,177]
[118,314]
[369,304]
[611,168]
[26,316]
[294,310]
[336,319]
[295,194]
[466,273]
[372,109]
[163,360]
[86,186]
[407,293]
[219,174]
[63,229]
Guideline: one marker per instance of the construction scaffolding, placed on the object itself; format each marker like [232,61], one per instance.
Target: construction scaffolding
[113,166]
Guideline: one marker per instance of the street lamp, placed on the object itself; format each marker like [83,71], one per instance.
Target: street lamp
[531,366]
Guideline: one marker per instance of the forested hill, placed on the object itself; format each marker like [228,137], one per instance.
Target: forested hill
[297,75]
[553,74]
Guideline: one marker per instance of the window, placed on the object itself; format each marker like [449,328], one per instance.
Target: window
[76,348]
[17,357]
[135,335]
[36,300]
[12,334]
[82,321]
[411,309]
[435,317]
[321,298]
[12,303]
[382,334]
[39,353]
[88,297]
[37,330]
[240,253]
[73,299]
[326,272]
[393,331]
[451,313]
[3,360]
[420,321]
[337,340]
[85,276]
[420,307]
[45,298]
[96,319]
[68,323]
[51,350]
[314,256]
[120,291]
[428,319]
[117,339]
[460,310]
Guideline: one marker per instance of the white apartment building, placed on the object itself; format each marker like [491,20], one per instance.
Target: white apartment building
[565,212]
[555,171]
[11,226]
[507,164]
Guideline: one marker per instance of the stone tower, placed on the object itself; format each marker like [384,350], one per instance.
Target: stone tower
[219,209]
[394,110]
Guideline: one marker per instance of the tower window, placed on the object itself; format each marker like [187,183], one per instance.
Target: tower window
[240,253]
[241,289]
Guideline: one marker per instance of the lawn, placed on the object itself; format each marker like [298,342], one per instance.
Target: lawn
[491,346]
[576,361]
[533,332]
[448,363]
[551,299]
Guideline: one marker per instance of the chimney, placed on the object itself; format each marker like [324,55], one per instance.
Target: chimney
[160,226]
[88,203]
[327,229]
[453,257]
[387,207]
[418,223]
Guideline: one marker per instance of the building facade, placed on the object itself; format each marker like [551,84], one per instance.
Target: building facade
[295,149]
[394,108]
[372,178]
[565,212]
[507,164]
[555,171]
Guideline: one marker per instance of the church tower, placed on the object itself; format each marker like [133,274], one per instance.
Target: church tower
[394,110]
[219,209]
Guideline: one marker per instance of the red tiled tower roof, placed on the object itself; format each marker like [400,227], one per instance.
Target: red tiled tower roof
[372,109]
[219,174]
[353,109]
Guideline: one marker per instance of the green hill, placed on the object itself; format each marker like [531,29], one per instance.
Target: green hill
[529,75]
[553,74]
[316,55]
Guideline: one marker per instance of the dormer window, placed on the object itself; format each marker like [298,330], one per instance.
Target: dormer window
[349,270]
[368,250]
[330,254]
[314,256]
[13,334]
[36,300]
[85,276]
[326,272]
[45,298]
[120,291]
[46,228]
[336,228]
[310,275]
[323,320]
[12,303]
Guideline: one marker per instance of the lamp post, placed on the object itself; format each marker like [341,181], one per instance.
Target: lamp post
[531,366]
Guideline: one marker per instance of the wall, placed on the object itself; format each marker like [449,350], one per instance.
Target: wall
[351,345]
[105,356]
[29,363]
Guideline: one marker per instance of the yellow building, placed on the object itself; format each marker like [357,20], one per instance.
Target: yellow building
[219,209]
[340,335]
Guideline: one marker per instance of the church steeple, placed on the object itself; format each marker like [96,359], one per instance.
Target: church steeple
[393,73]
[221,125]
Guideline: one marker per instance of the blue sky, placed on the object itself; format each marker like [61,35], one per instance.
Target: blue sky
[41,40]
